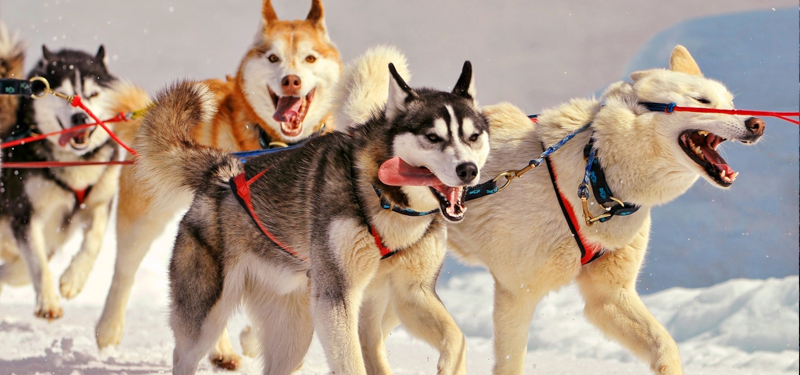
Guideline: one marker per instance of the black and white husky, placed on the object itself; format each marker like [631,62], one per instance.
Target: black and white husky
[302,238]
[40,208]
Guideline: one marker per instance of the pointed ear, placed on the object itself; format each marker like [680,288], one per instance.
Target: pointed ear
[101,54]
[316,15]
[681,61]
[466,84]
[399,94]
[46,54]
[268,14]
[637,75]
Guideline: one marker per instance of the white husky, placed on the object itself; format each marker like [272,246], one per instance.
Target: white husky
[649,158]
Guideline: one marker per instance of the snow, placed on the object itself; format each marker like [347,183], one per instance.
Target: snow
[535,54]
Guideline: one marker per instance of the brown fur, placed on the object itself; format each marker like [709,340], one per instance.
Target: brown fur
[11,65]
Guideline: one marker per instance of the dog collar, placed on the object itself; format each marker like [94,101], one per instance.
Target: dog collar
[386,205]
[595,177]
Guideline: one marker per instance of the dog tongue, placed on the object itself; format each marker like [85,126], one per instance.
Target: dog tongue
[717,160]
[396,172]
[65,137]
[288,109]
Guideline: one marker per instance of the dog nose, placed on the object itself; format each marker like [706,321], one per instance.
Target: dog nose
[755,125]
[79,119]
[467,171]
[291,85]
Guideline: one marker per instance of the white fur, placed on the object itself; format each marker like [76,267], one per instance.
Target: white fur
[364,87]
[10,43]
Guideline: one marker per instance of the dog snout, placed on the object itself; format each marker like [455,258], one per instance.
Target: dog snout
[291,85]
[467,171]
[79,119]
[755,125]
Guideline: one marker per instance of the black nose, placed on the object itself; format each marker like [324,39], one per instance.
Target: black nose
[467,171]
[79,119]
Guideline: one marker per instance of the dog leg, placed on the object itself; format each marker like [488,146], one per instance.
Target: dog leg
[419,308]
[75,276]
[223,355]
[340,273]
[32,245]
[512,315]
[613,305]
[370,329]
[136,231]
[284,328]
[202,299]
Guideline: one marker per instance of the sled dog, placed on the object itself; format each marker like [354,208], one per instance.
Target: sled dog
[41,208]
[312,238]
[648,158]
[280,95]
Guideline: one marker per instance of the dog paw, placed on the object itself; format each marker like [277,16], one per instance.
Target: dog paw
[72,282]
[226,361]
[48,310]
[109,332]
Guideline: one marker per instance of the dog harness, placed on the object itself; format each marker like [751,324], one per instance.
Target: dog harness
[589,251]
[595,177]
[240,186]
[80,195]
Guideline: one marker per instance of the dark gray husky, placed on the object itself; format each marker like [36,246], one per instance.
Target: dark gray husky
[318,219]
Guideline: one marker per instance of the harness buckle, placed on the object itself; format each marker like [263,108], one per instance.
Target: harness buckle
[510,175]
[587,216]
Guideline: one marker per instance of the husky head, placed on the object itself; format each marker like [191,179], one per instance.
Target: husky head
[440,141]
[692,139]
[73,72]
[288,74]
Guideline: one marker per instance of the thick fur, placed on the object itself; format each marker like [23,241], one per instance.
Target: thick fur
[243,110]
[318,200]
[520,234]
[39,210]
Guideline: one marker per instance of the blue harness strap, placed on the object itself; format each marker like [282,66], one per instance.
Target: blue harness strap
[12,86]
[594,176]
[386,205]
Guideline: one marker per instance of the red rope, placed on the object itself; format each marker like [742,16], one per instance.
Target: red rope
[741,112]
[118,118]
[48,164]
[76,102]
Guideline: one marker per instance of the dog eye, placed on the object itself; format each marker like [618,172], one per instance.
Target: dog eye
[474,137]
[273,59]
[92,95]
[702,100]
[310,59]
[433,138]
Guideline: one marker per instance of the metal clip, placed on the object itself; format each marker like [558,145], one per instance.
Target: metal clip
[511,175]
[47,90]
[587,216]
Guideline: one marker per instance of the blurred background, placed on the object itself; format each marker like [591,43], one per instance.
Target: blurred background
[534,54]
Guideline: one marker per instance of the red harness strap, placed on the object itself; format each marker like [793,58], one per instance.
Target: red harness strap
[589,251]
[240,186]
[80,195]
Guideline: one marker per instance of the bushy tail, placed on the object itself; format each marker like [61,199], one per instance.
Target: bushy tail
[171,163]
[126,97]
[12,59]
[363,90]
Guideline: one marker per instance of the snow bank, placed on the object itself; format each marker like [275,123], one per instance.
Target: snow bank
[750,324]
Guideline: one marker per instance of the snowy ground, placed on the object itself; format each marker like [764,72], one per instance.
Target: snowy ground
[738,327]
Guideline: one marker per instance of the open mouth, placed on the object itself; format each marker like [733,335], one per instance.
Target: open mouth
[78,139]
[396,172]
[701,146]
[290,111]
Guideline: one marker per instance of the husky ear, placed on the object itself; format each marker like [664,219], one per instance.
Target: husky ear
[466,84]
[268,13]
[399,94]
[101,54]
[46,54]
[681,61]
[316,15]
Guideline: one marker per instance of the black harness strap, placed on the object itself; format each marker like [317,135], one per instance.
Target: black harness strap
[601,190]
[20,87]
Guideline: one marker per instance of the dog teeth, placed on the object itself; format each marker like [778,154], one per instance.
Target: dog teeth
[703,132]
[733,176]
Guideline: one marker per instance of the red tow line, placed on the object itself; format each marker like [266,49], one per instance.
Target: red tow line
[75,102]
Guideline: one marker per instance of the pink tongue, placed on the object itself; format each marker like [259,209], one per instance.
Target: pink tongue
[396,172]
[288,109]
[451,193]
[715,159]
[64,138]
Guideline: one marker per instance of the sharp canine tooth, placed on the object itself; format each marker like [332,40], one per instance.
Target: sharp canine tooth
[733,176]
[722,174]
[702,132]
